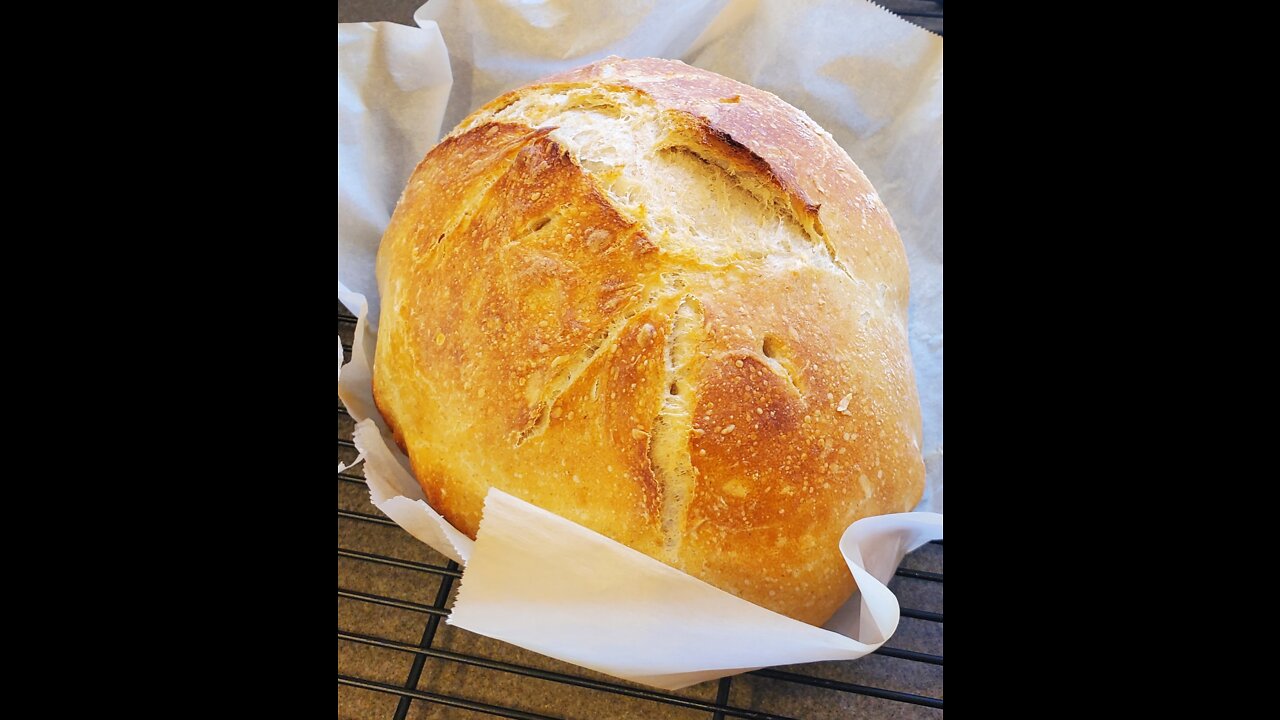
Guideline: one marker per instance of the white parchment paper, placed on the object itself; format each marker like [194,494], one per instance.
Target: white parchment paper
[871,79]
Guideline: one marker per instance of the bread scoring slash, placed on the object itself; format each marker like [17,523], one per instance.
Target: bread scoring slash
[664,305]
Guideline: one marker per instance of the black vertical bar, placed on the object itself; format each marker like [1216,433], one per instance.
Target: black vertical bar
[722,697]
[428,636]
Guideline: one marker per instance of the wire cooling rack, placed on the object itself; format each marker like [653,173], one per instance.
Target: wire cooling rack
[396,659]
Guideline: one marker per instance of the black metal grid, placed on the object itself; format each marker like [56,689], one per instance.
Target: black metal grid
[398,599]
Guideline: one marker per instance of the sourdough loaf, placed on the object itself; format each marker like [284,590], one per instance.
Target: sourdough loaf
[664,305]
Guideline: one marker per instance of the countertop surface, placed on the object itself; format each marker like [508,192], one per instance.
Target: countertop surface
[393,590]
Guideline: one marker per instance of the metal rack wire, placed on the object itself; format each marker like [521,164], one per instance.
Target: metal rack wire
[382,593]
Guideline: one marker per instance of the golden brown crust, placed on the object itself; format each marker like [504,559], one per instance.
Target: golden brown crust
[725,404]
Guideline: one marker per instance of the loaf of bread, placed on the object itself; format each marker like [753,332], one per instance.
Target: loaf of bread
[664,305]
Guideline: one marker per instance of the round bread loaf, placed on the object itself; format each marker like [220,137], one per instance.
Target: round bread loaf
[664,305]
